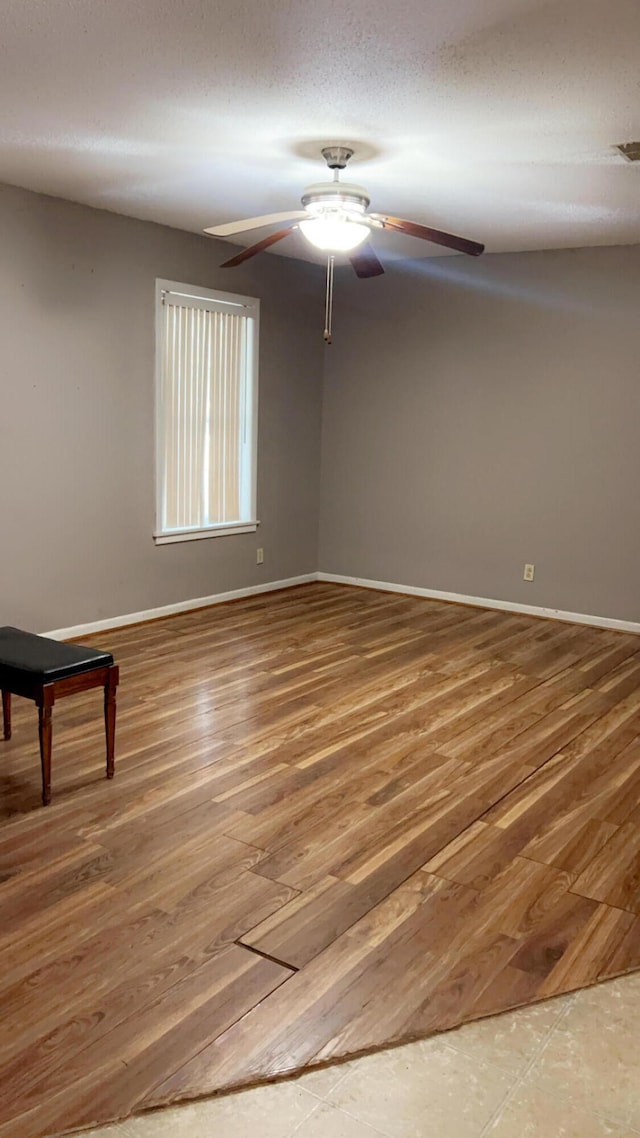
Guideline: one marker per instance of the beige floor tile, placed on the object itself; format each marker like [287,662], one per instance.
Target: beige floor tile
[103,1132]
[424,1090]
[270,1112]
[510,1040]
[330,1122]
[593,1055]
[325,1079]
[534,1113]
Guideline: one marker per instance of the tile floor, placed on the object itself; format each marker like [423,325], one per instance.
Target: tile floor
[568,1068]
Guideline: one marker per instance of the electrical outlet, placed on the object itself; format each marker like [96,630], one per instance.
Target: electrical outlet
[259,556]
[529,571]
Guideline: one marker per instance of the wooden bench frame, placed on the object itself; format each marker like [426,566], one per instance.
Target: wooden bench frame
[45,695]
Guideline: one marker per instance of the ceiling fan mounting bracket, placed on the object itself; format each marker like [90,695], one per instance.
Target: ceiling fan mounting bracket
[337,157]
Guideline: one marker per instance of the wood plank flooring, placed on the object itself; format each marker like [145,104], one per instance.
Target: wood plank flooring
[340,819]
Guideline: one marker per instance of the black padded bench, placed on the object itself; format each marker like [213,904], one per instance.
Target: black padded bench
[43,670]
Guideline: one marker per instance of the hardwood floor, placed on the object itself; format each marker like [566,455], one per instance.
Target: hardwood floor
[340,819]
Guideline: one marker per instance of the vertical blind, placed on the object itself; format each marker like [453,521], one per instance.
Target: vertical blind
[204,422]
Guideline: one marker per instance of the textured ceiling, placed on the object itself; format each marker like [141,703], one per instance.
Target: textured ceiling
[493,118]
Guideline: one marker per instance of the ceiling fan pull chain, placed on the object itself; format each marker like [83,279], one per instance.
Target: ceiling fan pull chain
[328,306]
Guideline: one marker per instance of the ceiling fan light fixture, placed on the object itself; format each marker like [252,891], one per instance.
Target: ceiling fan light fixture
[334,219]
[334,234]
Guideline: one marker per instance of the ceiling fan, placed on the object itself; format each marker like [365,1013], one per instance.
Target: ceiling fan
[334,220]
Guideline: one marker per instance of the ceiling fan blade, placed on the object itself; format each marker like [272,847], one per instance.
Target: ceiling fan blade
[245,254]
[437,236]
[365,263]
[233,227]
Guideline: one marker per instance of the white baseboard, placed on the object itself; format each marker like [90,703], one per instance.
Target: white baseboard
[339,579]
[485,603]
[179,606]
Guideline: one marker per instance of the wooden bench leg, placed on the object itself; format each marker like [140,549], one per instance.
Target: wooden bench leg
[6,713]
[110,717]
[45,705]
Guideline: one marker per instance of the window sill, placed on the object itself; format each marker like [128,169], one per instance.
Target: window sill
[198,534]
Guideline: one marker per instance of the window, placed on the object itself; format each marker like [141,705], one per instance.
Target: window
[206,412]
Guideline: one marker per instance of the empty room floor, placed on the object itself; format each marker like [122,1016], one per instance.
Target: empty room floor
[341,820]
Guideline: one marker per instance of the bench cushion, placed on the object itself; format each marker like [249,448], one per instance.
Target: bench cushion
[44,660]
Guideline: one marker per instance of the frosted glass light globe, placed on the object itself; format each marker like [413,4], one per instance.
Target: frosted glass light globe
[334,234]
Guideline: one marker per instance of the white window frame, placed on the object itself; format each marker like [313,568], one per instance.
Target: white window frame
[217,301]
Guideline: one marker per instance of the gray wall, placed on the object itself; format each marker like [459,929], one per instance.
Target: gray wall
[482,414]
[77,406]
[477,415]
